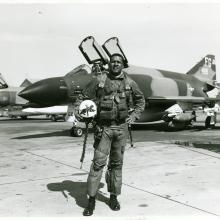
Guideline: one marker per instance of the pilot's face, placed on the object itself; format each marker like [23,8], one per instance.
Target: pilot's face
[116,65]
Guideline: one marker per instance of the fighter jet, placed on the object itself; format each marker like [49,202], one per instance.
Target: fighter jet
[18,107]
[9,94]
[9,99]
[170,96]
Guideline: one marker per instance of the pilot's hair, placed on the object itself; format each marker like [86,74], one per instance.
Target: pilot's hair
[119,55]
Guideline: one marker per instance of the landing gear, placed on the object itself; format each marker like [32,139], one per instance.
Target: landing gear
[24,117]
[53,118]
[76,132]
[210,121]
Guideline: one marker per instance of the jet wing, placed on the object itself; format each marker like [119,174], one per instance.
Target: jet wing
[185,102]
[190,99]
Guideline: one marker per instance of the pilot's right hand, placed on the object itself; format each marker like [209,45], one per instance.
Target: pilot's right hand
[77,115]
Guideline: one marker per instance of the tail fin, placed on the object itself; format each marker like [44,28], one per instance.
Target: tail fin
[3,84]
[205,70]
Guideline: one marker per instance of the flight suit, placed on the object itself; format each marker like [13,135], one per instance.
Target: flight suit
[114,98]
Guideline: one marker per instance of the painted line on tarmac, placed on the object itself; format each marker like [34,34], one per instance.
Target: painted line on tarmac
[173,200]
[190,149]
[133,187]
[55,161]
[32,180]
[48,177]
[200,152]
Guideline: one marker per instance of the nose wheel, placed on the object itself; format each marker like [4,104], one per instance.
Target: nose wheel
[76,132]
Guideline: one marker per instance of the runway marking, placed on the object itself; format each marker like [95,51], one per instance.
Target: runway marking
[32,180]
[173,200]
[56,161]
[176,145]
[133,187]
[190,149]
[179,145]
[48,177]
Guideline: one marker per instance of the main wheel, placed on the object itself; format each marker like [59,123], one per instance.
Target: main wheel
[210,122]
[53,118]
[24,117]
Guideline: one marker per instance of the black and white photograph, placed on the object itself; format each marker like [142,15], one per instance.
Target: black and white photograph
[109,109]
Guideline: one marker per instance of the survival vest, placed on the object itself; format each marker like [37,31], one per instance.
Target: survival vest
[113,105]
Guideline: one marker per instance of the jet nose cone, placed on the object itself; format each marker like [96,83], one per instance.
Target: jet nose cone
[25,93]
[49,91]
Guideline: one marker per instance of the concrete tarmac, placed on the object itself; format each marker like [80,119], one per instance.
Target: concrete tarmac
[167,174]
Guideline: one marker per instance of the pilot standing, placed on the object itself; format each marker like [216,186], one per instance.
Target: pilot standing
[115,94]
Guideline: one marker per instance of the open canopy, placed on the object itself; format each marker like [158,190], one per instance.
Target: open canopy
[92,51]
[112,46]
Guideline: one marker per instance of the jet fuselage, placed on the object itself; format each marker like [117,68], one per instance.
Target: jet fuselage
[152,82]
[9,96]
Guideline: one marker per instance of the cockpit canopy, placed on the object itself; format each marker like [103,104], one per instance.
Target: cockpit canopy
[94,53]
[3,84]
[80,70]
[112,46]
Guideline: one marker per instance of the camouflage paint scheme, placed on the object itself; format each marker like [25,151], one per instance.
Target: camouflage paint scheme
[9,94]
[161,88]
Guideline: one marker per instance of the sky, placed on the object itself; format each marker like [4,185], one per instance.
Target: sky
[41,40]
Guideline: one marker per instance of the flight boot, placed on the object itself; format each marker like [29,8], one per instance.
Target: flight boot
[90,207]
[113,203]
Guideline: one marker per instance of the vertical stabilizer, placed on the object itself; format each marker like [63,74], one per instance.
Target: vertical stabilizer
[205,70]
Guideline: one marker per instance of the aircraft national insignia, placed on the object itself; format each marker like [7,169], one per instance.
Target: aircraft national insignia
[209,61]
